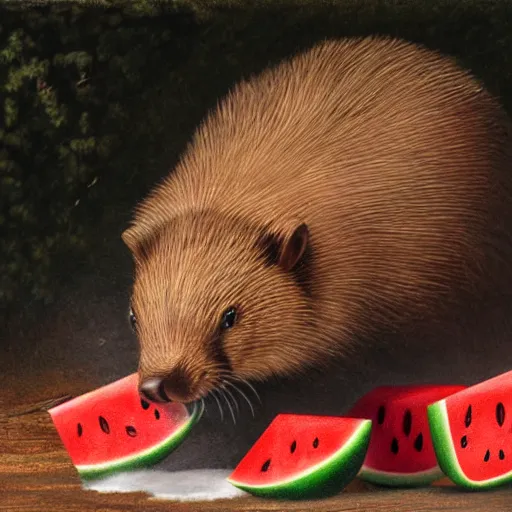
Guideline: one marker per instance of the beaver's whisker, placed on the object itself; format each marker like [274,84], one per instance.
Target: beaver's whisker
[212,393]
[222,393]
[250,386]
[235,403]
[243,395]
[203,404]
[223,373]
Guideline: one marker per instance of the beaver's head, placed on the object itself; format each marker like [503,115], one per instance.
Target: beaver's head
[218,301]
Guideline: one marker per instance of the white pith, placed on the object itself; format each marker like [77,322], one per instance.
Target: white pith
[409,476]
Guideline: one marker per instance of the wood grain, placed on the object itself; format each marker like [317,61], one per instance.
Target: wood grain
[37,476]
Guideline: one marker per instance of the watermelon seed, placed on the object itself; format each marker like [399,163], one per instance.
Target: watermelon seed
[381,414]
[265,466]
[145,405]
[464,441]
[502,455]
[500,414]
[131,431]
[487,456]
[157,414]
[418,443]
[315,442]
[467,420]
[293,447]
[79,429]
[407,424]
[394,445]
[104,425]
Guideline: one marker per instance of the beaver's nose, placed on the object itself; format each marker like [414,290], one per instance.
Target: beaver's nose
[154,389]
[176,386]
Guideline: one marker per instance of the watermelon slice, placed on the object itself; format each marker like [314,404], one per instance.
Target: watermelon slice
[302,456]
[112,428]
[400,452]
[472,434]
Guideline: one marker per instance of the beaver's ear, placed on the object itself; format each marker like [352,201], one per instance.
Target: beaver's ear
[293,247]
[130,239]
[137,243]
[284,250]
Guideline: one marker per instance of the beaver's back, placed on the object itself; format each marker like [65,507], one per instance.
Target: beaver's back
[395,158]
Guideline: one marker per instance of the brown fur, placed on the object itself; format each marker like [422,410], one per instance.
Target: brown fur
[398,163]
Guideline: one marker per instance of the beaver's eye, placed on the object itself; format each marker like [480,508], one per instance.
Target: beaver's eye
[133,320]
[228,318]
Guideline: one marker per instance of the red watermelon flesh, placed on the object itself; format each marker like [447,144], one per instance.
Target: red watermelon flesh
[400,451]
[112,428]
[472,433]
[303,456]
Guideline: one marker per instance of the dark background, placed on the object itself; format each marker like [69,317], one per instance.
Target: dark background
[97,104]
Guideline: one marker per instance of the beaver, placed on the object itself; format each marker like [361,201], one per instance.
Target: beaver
[357,188]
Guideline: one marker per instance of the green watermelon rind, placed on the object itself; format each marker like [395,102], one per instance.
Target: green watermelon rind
[447,456]
[393,479]
[146,457]
[326,478]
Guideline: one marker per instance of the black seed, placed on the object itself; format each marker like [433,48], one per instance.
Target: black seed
[265,465]
[467,419]
[407,423]
[502,455]
[464,441]
[131,431]
[394,445]
[145,405]
[79,429]
[293,447]
[500,414]
[104,425]
[157,414]
[316,442]
[418,442]
[381,414]
[487,456]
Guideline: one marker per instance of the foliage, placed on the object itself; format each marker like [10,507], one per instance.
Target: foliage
[97,99]
[67,75]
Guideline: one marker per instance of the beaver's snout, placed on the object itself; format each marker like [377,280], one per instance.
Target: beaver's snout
[153,389]
[177,386]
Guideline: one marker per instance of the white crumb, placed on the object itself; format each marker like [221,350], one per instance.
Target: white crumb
[192,485]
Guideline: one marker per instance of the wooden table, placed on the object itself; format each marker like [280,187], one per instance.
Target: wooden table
[37,476]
